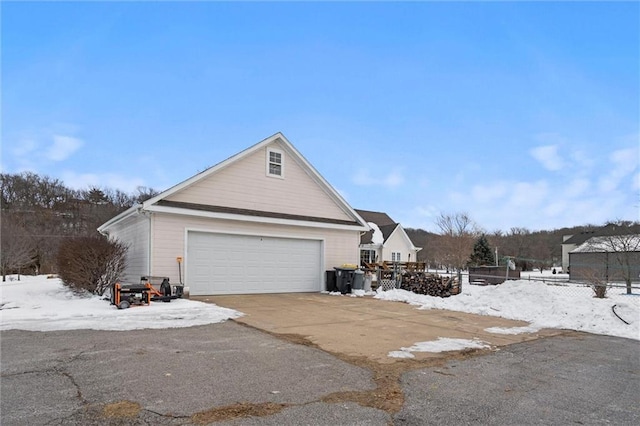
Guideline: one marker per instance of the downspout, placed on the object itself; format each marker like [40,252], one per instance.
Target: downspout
[149,268]
[149,239]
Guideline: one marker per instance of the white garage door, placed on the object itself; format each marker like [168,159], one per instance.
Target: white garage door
[246,264]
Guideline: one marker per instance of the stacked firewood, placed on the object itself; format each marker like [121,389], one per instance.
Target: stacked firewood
[430,284]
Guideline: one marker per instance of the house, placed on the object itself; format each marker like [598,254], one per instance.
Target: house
[262,221]
[609,258]
[572,242]
[386,241]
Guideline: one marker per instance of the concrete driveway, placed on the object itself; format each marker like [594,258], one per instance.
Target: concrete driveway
[363,326]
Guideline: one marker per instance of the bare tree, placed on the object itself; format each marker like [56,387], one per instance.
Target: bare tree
[458,233]
[145,193]
[456,224]
[17,247]
[625,251]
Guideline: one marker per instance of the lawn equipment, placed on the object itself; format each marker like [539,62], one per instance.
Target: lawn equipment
[126,295]
[161,289]
[149,289]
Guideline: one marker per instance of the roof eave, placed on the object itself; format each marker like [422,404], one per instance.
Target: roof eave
[118,218]
[248,218]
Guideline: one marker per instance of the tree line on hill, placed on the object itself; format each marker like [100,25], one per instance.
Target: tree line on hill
[39,213]
[453,246]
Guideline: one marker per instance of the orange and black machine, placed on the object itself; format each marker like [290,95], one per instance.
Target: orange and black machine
[127,295]
[149,289]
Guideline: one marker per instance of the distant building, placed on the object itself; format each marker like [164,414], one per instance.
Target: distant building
[606,259]
[572,242]
[387,240]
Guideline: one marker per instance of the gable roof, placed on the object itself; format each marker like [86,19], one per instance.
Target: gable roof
[580,238]
[386,225]
[382,221]
[607,230]
[160,204]
[610,244]
[386,230]
[379,218]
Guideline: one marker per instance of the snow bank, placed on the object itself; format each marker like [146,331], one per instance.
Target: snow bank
[41,304]
[542,305]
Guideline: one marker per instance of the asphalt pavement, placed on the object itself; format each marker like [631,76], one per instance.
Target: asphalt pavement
[232,374]
[576,378]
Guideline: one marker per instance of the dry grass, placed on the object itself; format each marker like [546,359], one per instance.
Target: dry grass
[239,410]
[121,409]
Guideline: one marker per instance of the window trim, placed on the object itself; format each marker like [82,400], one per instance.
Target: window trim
[396,256]
[269,163]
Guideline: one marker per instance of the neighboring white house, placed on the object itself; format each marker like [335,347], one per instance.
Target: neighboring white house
[262,221]
[387,240]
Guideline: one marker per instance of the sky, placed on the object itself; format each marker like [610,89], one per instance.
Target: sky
[521,114]
[38,303]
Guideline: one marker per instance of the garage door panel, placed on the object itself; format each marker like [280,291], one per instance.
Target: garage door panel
[237,264]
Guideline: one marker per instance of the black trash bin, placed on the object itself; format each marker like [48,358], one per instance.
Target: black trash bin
[344,279]
[332,285]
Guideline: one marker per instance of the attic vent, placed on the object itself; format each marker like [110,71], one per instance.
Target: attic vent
[275,163]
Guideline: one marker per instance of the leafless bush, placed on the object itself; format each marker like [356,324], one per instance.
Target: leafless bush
[91,263]
[597,282]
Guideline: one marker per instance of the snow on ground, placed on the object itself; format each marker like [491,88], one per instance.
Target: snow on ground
[443,344]
[542,305]
[41,304]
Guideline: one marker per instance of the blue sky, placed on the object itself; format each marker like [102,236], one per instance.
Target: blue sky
[520,114]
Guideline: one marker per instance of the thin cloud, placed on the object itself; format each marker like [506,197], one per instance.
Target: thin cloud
[393,179]
[623,163]
[489,193]
[63,147]
[548,156]
[577,187]
[26,147]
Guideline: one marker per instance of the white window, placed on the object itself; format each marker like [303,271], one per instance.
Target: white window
[275,163]
[367,256]
[395,256]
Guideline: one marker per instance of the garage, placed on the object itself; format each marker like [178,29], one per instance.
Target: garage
[247,264]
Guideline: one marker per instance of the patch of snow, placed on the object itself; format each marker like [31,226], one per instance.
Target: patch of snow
[443,344]
[546,273]
[42,304]
[377,237]
[400,354]
[512,330]
[361,293]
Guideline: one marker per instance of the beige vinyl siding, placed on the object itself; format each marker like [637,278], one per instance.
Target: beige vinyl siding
[134,232]
[169,231]
[244,184]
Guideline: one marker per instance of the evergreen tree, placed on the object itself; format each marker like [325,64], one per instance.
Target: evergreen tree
[482,253]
